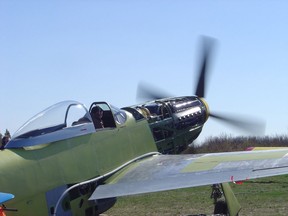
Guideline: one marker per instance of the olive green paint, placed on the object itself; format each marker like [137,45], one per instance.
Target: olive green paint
[232,203]
[209,161]
[29,174]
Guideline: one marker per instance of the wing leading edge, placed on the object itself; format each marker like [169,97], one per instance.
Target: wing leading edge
[167,172]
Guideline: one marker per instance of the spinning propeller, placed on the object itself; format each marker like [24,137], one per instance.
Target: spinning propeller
[149,92]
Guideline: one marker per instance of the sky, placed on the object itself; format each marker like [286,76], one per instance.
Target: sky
[100,50]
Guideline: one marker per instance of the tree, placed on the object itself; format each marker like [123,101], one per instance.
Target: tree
[7,134]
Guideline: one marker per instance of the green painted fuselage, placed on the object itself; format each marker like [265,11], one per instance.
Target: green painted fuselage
[31,173]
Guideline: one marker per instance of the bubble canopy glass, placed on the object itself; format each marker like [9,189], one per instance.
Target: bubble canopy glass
[63,120]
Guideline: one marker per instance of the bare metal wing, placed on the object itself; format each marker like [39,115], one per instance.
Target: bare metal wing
[167,172]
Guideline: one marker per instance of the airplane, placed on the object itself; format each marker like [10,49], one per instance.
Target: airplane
[60,163]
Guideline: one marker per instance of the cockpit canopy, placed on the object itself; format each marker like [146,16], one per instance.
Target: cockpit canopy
[61,121]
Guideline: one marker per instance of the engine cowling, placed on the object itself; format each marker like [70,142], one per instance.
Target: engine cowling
[175,122]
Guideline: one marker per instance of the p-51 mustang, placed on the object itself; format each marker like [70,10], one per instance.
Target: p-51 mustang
[61,163]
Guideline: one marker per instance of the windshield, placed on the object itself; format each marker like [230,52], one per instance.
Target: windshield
[119,115]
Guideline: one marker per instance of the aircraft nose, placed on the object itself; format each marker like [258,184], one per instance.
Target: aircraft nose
[206,108]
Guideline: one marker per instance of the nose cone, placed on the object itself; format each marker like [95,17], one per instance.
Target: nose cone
[206,108]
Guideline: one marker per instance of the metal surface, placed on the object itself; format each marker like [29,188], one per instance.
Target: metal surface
[167,172]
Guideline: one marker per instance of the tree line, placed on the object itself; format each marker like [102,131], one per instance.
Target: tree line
[4,139]
[226,143]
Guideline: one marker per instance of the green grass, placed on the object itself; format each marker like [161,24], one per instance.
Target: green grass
[267,196]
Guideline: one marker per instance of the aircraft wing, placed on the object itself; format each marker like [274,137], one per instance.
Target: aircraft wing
[167,172]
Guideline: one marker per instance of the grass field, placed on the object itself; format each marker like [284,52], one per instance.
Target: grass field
[265,196]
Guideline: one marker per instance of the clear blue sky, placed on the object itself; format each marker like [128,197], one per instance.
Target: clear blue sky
[91,50]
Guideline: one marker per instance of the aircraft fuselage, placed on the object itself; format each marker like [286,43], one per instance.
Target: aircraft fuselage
[33,174]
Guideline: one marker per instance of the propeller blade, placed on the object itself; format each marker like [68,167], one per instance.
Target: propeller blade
[148,92]
[201,84]
[252,126]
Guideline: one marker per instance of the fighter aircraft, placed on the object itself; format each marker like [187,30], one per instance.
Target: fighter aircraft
[60,162]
